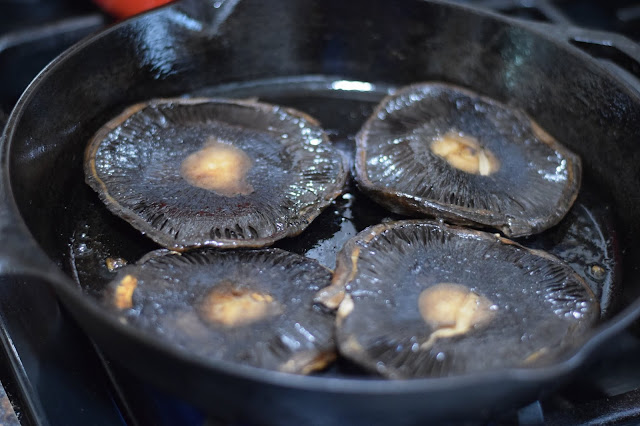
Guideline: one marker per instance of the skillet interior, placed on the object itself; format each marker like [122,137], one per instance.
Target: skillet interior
[195,45]
[585,238]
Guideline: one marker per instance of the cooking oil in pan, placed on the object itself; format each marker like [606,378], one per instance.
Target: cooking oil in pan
[101,242]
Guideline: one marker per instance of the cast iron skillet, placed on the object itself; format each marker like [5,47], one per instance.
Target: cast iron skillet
[194,45]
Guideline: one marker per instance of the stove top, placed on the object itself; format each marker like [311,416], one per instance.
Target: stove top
[53,374]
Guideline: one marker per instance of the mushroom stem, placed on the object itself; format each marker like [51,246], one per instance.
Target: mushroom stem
[465,153]
[452,309]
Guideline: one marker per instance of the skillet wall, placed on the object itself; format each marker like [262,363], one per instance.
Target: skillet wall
[196,44]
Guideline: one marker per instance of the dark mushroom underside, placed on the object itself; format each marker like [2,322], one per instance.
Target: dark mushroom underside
[264,172]
[426,299]
[444,151]
[253,307]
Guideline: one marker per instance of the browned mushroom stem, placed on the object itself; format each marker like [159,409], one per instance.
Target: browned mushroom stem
[124,292]
[452,310]
[218,167]
[231,306]
[465,153]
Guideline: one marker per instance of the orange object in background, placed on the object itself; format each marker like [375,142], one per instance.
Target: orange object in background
[126,8]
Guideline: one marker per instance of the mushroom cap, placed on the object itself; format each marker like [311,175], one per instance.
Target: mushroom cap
[247,306]
[440,150]
[214,172]
[424,299]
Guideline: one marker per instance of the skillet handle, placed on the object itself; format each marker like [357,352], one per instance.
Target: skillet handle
[49,366]
[41,348]
[616,52]
[18,252]
[17,247]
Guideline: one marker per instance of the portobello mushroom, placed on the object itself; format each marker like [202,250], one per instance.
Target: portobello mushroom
[424,299]
[440,150]
[253,307]
[214,172]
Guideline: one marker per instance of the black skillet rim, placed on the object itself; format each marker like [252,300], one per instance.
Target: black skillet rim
[63,284]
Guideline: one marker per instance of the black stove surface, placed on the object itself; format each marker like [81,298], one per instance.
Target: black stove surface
[53,374]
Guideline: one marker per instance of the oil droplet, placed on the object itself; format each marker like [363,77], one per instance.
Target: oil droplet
[114,263]
[441,356]
[597,271]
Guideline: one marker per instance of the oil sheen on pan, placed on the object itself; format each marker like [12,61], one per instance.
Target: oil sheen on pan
[213,172]
[439,150]
[423,299]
